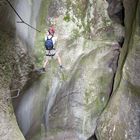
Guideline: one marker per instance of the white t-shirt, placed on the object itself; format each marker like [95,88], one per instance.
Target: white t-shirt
[54,38]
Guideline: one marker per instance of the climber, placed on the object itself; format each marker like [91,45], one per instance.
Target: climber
[50,41]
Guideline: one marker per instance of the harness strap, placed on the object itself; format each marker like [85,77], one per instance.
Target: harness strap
[49,38]
[49,49]
[49,53]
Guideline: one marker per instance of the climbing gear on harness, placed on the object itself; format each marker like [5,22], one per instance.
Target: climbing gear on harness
[49,43]
[51,52]
[43,69]
[61,66]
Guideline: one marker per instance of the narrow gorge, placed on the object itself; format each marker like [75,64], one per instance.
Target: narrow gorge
[95,96]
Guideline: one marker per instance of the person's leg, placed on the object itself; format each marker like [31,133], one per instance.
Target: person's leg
[45,63]
[59,59]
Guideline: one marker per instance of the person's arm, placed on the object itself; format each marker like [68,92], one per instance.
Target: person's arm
[45,37]
[54,39]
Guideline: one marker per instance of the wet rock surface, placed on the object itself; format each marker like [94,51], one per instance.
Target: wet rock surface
[15,64]
[96,95]
[76,97]
[120,120]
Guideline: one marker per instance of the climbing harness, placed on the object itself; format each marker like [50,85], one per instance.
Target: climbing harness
[51,52]
[21,20]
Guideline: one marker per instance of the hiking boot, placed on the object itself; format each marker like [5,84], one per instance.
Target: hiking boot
[43,69]
[61,66]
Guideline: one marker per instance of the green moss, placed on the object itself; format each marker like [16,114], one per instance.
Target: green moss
[98,105]
[55,131]
[78,9]
[93,104]
[75,34]
[67,17]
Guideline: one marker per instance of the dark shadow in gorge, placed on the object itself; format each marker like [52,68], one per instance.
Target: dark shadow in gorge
[116,12]
[93,137]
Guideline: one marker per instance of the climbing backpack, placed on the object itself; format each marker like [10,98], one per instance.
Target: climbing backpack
[49,44]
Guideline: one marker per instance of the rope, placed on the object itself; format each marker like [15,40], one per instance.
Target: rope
[22,21]
[13,97]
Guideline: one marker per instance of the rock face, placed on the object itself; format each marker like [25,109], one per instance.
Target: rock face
[121,120]
[15,63]
[96,95]
[75,98]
